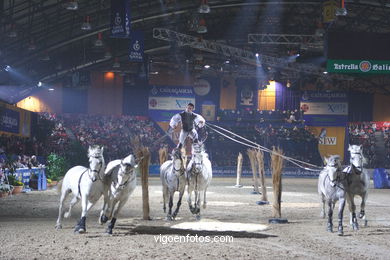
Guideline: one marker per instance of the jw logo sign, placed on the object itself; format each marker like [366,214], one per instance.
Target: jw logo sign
[327,140]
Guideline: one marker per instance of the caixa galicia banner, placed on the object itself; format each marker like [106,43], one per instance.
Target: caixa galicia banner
[325,108]
[136,48]
[120,18]
[359,66]
[165,101]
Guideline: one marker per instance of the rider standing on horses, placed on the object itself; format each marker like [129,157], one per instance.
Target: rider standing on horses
[188,120]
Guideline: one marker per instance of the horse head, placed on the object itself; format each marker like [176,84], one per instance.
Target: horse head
[178,161]
[197,157]
[333,168]
[96,161]
[126,170]
[357,159]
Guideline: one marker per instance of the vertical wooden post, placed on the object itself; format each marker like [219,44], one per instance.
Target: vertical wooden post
[239,170]
[260,163]
[252,158]
[277,166]
[145,155]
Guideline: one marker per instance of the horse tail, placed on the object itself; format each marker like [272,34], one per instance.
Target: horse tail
[59,186]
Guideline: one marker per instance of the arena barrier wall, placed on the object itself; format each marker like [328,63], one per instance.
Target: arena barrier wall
[230,171]
[24,175]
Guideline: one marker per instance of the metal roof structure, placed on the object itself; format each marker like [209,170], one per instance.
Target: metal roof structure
[43,40]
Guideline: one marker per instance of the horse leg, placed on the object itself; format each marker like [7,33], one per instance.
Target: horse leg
[165,195]
[352,209]
[64,194]
[189,193]
[330,216]
[322,214]
[204,199]
[74,200]
[362,213]
[122,202]
[178,204]
[80,227]
[170,205]
[103,213]
[340,216]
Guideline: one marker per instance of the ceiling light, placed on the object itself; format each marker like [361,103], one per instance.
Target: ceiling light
[7,68]
[325,72]
[39,84]
[86,25]
[227,62]
[202,28]
[51,89]
[116,64]
[257,55]
[204,7]
[71,5]
[99,42]
[107,54]
[341,11]
[288,84]
[207,66]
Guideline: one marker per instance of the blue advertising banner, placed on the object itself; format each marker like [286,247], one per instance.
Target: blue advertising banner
[120,19]
[325,108]
[136,48]
[9,120]
[165,101]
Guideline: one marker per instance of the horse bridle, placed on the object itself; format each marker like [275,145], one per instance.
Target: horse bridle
[361,161]
[129,179]
[338,178]
[97,171]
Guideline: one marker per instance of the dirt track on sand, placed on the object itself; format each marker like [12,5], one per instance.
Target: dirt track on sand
[27,227]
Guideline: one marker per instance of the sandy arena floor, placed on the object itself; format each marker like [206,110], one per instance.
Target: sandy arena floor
[27,227]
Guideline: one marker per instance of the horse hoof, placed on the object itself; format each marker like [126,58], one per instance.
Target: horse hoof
[340,233]
[109,231]
[365,223]
[103,219]
[198,217]
[66,215]
[355,226]
[81,231]
[58,226]
[169,218]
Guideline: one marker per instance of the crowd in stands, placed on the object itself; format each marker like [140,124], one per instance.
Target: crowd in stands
[364,133]
[113,132]
[296,142]
[251,115]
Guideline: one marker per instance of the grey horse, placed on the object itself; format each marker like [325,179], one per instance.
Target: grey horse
[332,188]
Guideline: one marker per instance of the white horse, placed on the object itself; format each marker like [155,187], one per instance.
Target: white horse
[122,178]
[331,188]
[199,175]
[173,178]
[358,182]
[85,184]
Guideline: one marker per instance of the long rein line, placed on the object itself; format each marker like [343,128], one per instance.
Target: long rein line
[262,148]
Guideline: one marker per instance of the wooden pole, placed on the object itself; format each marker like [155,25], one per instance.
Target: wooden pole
[277,166]
[252,158]
[162,155]
[260,163]
[239,170]
[145,155]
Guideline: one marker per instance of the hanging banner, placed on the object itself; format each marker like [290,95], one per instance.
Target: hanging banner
[9,120]
[247,93]
[325,108]
[359,66]
[165,101]
[120,19]
[136,48]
